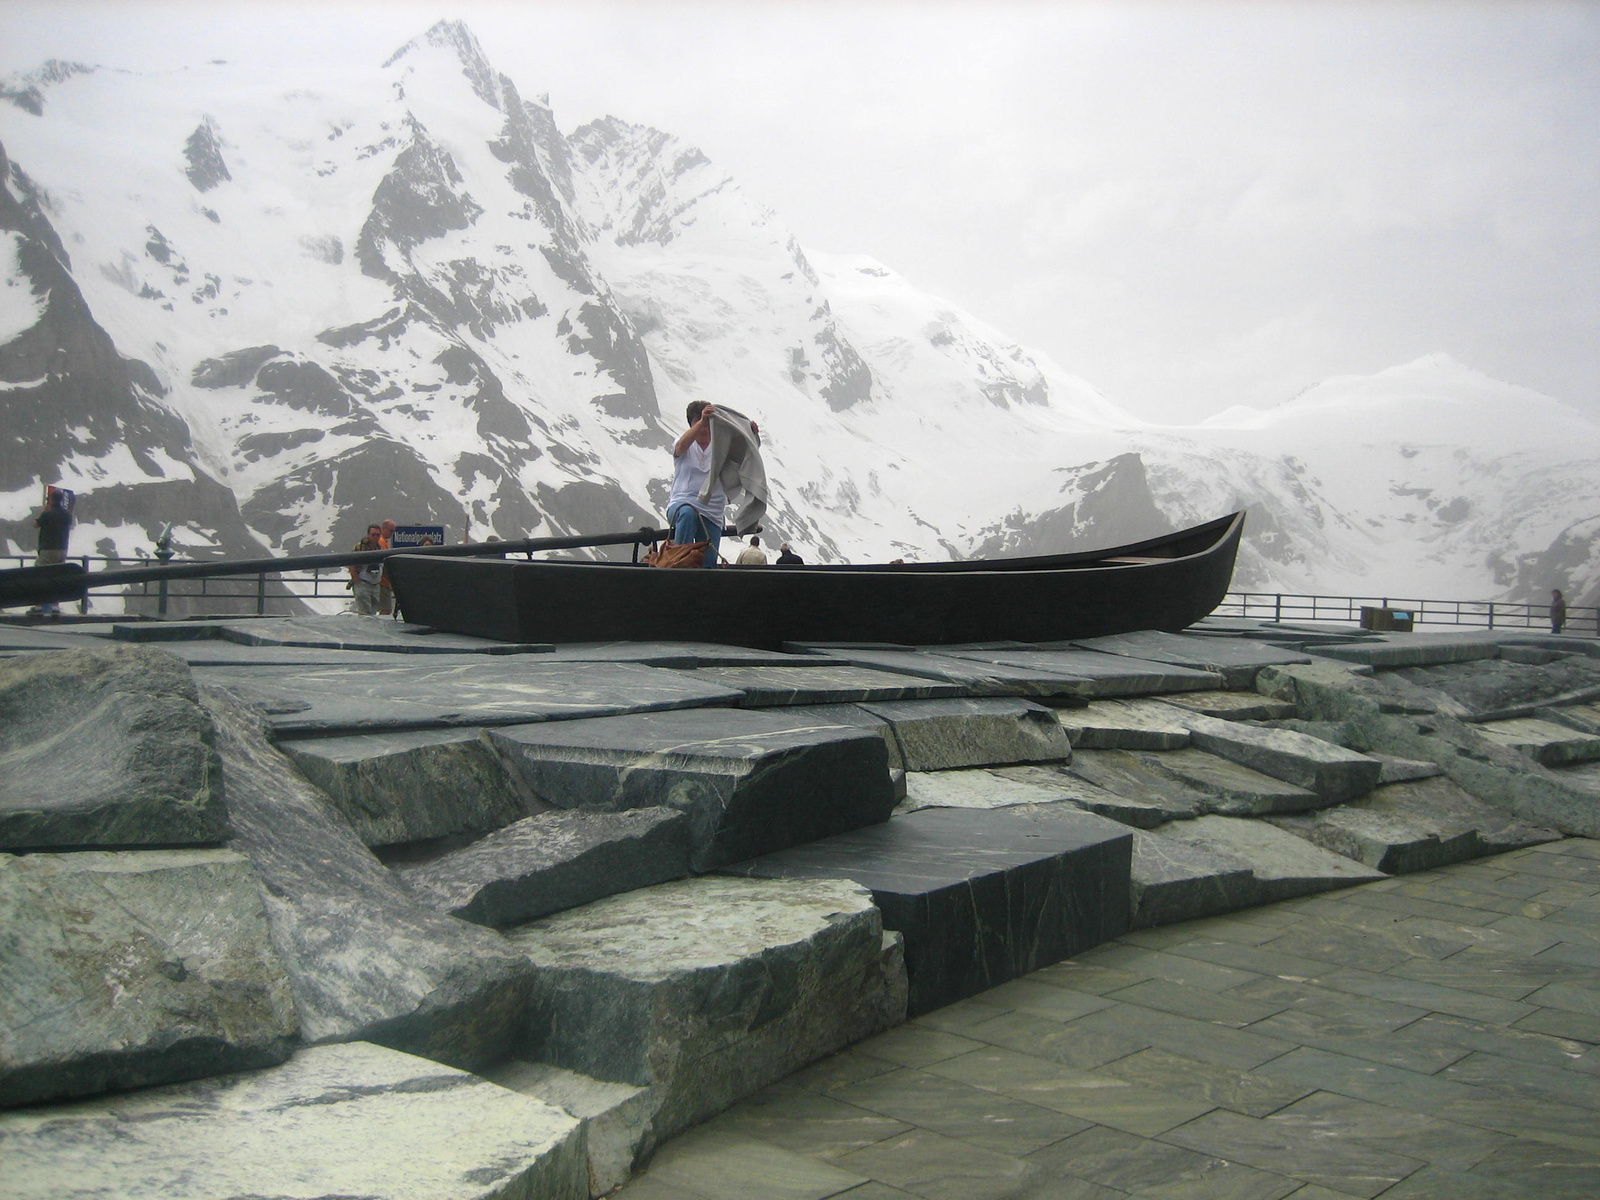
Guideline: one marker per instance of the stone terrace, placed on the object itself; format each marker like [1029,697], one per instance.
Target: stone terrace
[291,900]
[1431,1036]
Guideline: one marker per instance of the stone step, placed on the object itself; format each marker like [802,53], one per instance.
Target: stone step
[615,1116]
[750,781]
[1101,674]
[706,990]
[981,897]
[1546,742]
[1232,789]
[1235,659]
[975,677]
[444,691]
[1404,770]
[343,632]
[132,968]
[686,656]
[1282,866]
[1233,706]
[1149,796]
[815,680]
[342,1120]
[1171,881]
[365,960]
[1415,826]
[1334,773]
[147,775]
[551,862]
[1413,649]
[1124,725]
[413,785]
[981,789]
[942,735]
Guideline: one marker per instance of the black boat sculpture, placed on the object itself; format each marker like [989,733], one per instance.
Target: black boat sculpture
[1164,583]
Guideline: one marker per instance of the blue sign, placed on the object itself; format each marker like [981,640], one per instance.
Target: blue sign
[407,536]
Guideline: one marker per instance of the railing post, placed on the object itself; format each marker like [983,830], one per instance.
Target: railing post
[1491,614]
[1277,606]
[261,594]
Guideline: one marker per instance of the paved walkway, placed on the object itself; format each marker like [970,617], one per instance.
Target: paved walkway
[1430,1036]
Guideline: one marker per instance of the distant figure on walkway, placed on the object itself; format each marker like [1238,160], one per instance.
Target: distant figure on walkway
[752,555]
[385,589]
[54,523]
[364,579]
[787,557]
[1558,610]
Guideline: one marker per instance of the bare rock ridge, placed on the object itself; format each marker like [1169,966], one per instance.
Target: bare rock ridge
[630,919]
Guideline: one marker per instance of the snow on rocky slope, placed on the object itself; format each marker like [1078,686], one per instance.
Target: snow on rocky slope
[271,310]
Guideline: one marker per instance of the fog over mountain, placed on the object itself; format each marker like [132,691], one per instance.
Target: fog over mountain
[271,310]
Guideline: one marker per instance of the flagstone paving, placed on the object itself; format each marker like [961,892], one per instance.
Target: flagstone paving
[1428,1036]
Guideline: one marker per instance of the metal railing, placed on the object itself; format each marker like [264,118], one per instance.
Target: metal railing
[1480,614]
[296,584]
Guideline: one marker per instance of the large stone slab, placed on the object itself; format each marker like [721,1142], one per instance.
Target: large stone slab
[1062,785]
[981,897]
[750,781]
[1282,865]
[354,1120]
[413,785]
[707,990]
[1546,742]
[616,1116]
[1102,674]
[132,968]
[1413,649]
[1124,725]
[365,961]
[347,632]
[938,735]
[678,655]
[977,788]
[1235,659]
[1383,715]
[1331,771]
[1416,826]
[217,652]
[1172,880]
[975,677]
[554,861]
[1150,795]
[1496,689]
[821,682]
[105,747]
[455,690]
[1231,788]
[1233,706]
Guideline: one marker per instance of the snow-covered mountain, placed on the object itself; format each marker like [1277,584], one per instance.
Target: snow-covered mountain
[271,310]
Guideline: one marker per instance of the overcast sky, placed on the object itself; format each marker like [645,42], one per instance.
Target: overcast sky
[1190,204]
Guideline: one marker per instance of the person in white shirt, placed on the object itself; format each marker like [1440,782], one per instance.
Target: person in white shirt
[752,555]
[692,519]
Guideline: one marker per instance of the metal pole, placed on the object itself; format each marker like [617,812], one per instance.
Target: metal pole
[261,595]
[1491,614]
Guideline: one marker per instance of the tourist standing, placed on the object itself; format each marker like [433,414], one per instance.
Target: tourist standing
[752,555]
[365,578]
[54,523]
[385,588]
[1558,610]
[787,557]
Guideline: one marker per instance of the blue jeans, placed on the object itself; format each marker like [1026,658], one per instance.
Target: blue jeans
[691,525]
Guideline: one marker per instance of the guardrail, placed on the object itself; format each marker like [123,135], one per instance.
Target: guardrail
[242,584]
[1481,614]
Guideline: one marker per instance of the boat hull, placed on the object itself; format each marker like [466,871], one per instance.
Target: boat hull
[1162,583]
